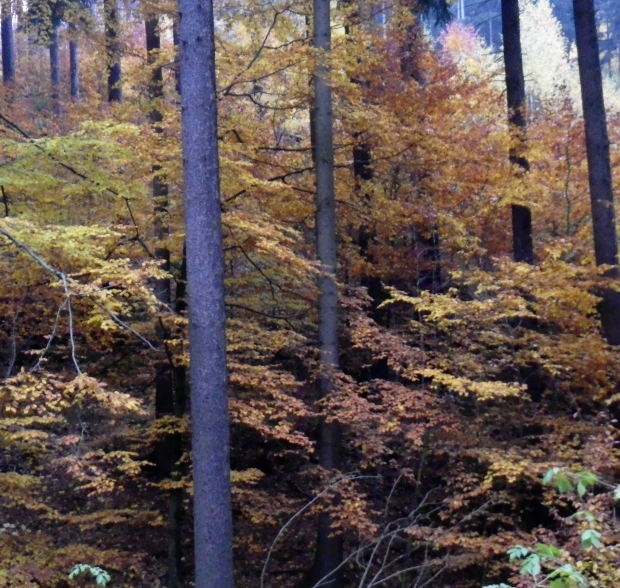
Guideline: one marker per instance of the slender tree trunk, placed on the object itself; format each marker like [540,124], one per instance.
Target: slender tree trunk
[113,50]
[8,42]
[167,381]
[599,165]
[207,317]
[177,70]
[329,548]
[523,248]
[74,63]
[54,50]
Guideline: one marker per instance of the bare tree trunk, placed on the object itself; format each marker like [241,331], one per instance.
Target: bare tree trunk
[8,43]
[113,50]
[329,548]
[599,165]
[167,381]
[74,63]
[54,50]
[207,316]
[523,248]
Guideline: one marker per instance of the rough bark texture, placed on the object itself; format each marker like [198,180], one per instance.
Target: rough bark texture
[113,50]
[523,248]
[599,165]
[329,548]
[207,318]
[8,43]
[74,65]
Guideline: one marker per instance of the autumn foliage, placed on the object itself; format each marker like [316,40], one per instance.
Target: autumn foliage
[463,380]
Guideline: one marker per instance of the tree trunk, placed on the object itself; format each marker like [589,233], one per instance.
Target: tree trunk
[329,548]
[599,165]
[74,64]
[523,248]
[54,50]
[113,50]
[167,381]
[207,317]
[8,43]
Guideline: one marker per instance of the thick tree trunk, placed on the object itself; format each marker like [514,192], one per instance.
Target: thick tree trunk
[8,42]
[523,248]
[167,381]
[207,317]
[74,64]
[599,165]
[113,50]
[329,548]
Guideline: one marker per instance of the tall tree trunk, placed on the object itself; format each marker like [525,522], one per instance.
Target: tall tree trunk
[329,548]
[207,316]
[599,165]
[523,248]
[113,50]
[74,63]
[54,50]
[167,381]
[8,42]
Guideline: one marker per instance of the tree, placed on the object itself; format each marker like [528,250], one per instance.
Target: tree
[599,163]
[523,249]
[207,316]
[8,42]
[113,49]
[329,547]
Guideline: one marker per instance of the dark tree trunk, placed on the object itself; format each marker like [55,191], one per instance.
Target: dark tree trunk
[55,68]
[177,70]
[8,43]
[74,64]
[168,382]
[599,165]
[523,248]
[207,318]
[329,548]
[113,50]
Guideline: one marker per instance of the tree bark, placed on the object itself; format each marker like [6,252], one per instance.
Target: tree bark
[599,164]
[54,50]
[113,50]
[523,247]
[8,43]
[329,551]
[167,380]
[207,317]
[74,64]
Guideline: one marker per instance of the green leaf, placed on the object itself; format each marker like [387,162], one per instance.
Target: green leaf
[531,566]
[518,552]
[550,474]
[591,539]
[498,586]
[547,551]
[564,485]
[617,493]
[588,478]
[581,489]
[586,516]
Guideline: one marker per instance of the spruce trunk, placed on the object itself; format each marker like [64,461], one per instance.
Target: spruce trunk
[205,281]
[599,164]
[523,248]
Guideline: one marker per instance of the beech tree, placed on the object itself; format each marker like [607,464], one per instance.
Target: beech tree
[599,163]
[205,283]
[523,249]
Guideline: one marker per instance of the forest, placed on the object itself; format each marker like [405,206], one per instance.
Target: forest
[391,227]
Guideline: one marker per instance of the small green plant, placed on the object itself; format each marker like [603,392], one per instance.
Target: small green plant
[545,564]
[101,577]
